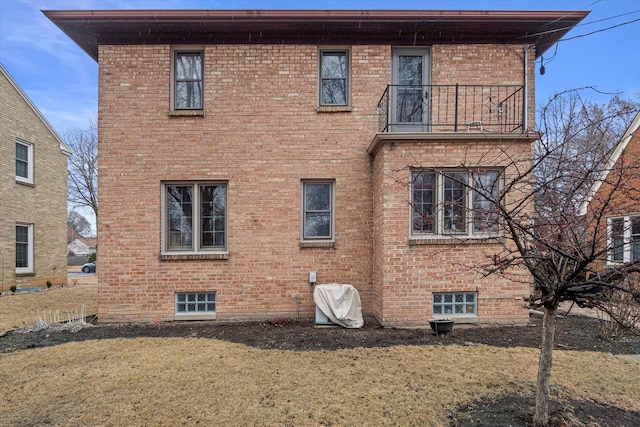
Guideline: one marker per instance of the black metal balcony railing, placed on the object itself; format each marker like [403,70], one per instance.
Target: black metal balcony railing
[451,108]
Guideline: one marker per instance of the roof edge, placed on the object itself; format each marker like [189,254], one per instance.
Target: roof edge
[617,152]
[64,148]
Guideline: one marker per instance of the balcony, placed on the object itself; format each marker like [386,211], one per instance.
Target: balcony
[452,108]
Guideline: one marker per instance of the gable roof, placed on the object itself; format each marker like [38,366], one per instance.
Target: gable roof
[617,152]
[63,146]
[90,28]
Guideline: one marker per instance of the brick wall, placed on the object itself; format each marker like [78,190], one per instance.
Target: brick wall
[262,134]
[408,273]
[43,204]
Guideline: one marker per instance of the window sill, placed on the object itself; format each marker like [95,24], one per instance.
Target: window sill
[187,113]
[457,320]
[201,256]
[307,244]
[25,183]
[195,316]
[29,274]
[333,109]
[450,240]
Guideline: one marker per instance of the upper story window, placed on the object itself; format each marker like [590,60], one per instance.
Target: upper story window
[624,239]
[334,77]
[194,217]
[318,210]
[24,162]
[24,248]
[188,81]
[451,202]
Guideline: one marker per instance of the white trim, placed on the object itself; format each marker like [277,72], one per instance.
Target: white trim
[63,147]
[628,135]
[29,268]
[29,178]
[627,246]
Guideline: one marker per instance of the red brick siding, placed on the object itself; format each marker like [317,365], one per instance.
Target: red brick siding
[262,134]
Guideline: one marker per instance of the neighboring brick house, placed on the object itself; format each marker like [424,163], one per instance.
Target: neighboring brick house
[33,193]
[242,150]
[616,194]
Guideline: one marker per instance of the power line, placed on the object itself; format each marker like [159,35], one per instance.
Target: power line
[599,31]
[606,19]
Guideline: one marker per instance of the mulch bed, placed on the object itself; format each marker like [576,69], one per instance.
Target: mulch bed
[572,333]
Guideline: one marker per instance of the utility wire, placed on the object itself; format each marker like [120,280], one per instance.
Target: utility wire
[606,19]
[599,31]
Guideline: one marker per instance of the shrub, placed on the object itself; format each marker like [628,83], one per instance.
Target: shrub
[13,288]
[48,284]
[92,257]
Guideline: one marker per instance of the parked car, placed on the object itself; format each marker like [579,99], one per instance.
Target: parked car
[89,267]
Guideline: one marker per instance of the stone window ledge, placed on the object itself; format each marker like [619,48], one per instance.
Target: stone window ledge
[181,257]
[419,241]
[334,109]
[329,245]
[188,113]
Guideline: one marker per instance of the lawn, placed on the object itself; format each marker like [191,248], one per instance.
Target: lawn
[190,381]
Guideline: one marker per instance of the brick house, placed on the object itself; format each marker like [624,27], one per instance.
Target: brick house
[33,193]
[616,194]
[242,150]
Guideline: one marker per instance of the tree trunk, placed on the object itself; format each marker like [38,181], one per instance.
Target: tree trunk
[541,416]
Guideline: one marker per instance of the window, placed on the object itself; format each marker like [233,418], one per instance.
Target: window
[195,303]
[24,248]
[334,77]
[624,239]
[635,238]
[195,217]
[453,202]
[617,240]
[24,162]
[318,211]
[187,80]
[455,304]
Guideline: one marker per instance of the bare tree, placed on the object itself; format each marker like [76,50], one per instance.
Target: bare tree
[563,250]
[555,246]
[83,167]
[79,224]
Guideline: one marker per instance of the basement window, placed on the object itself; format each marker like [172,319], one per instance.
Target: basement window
[195,305]
[455,304]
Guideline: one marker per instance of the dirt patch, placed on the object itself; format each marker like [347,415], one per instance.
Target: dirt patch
[516,411]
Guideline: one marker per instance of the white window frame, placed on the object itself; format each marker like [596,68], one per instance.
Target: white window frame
[29,268]
[469,199]
[342,50]
[29,178]
[627,238]
[465,304]
[193,310]
[332,211]
[175,51]
[196,246]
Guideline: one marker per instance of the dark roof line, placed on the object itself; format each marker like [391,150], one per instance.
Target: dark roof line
[90,28]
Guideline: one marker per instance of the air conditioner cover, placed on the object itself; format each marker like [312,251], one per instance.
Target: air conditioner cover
[340,303]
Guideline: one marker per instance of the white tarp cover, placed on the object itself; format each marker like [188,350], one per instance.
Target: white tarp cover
[340,303]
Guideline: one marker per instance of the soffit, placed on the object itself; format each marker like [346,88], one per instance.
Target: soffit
[90,28]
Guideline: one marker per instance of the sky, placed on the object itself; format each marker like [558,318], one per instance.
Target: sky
[62,80]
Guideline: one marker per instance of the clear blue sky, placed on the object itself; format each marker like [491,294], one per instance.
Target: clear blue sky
[62,80]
